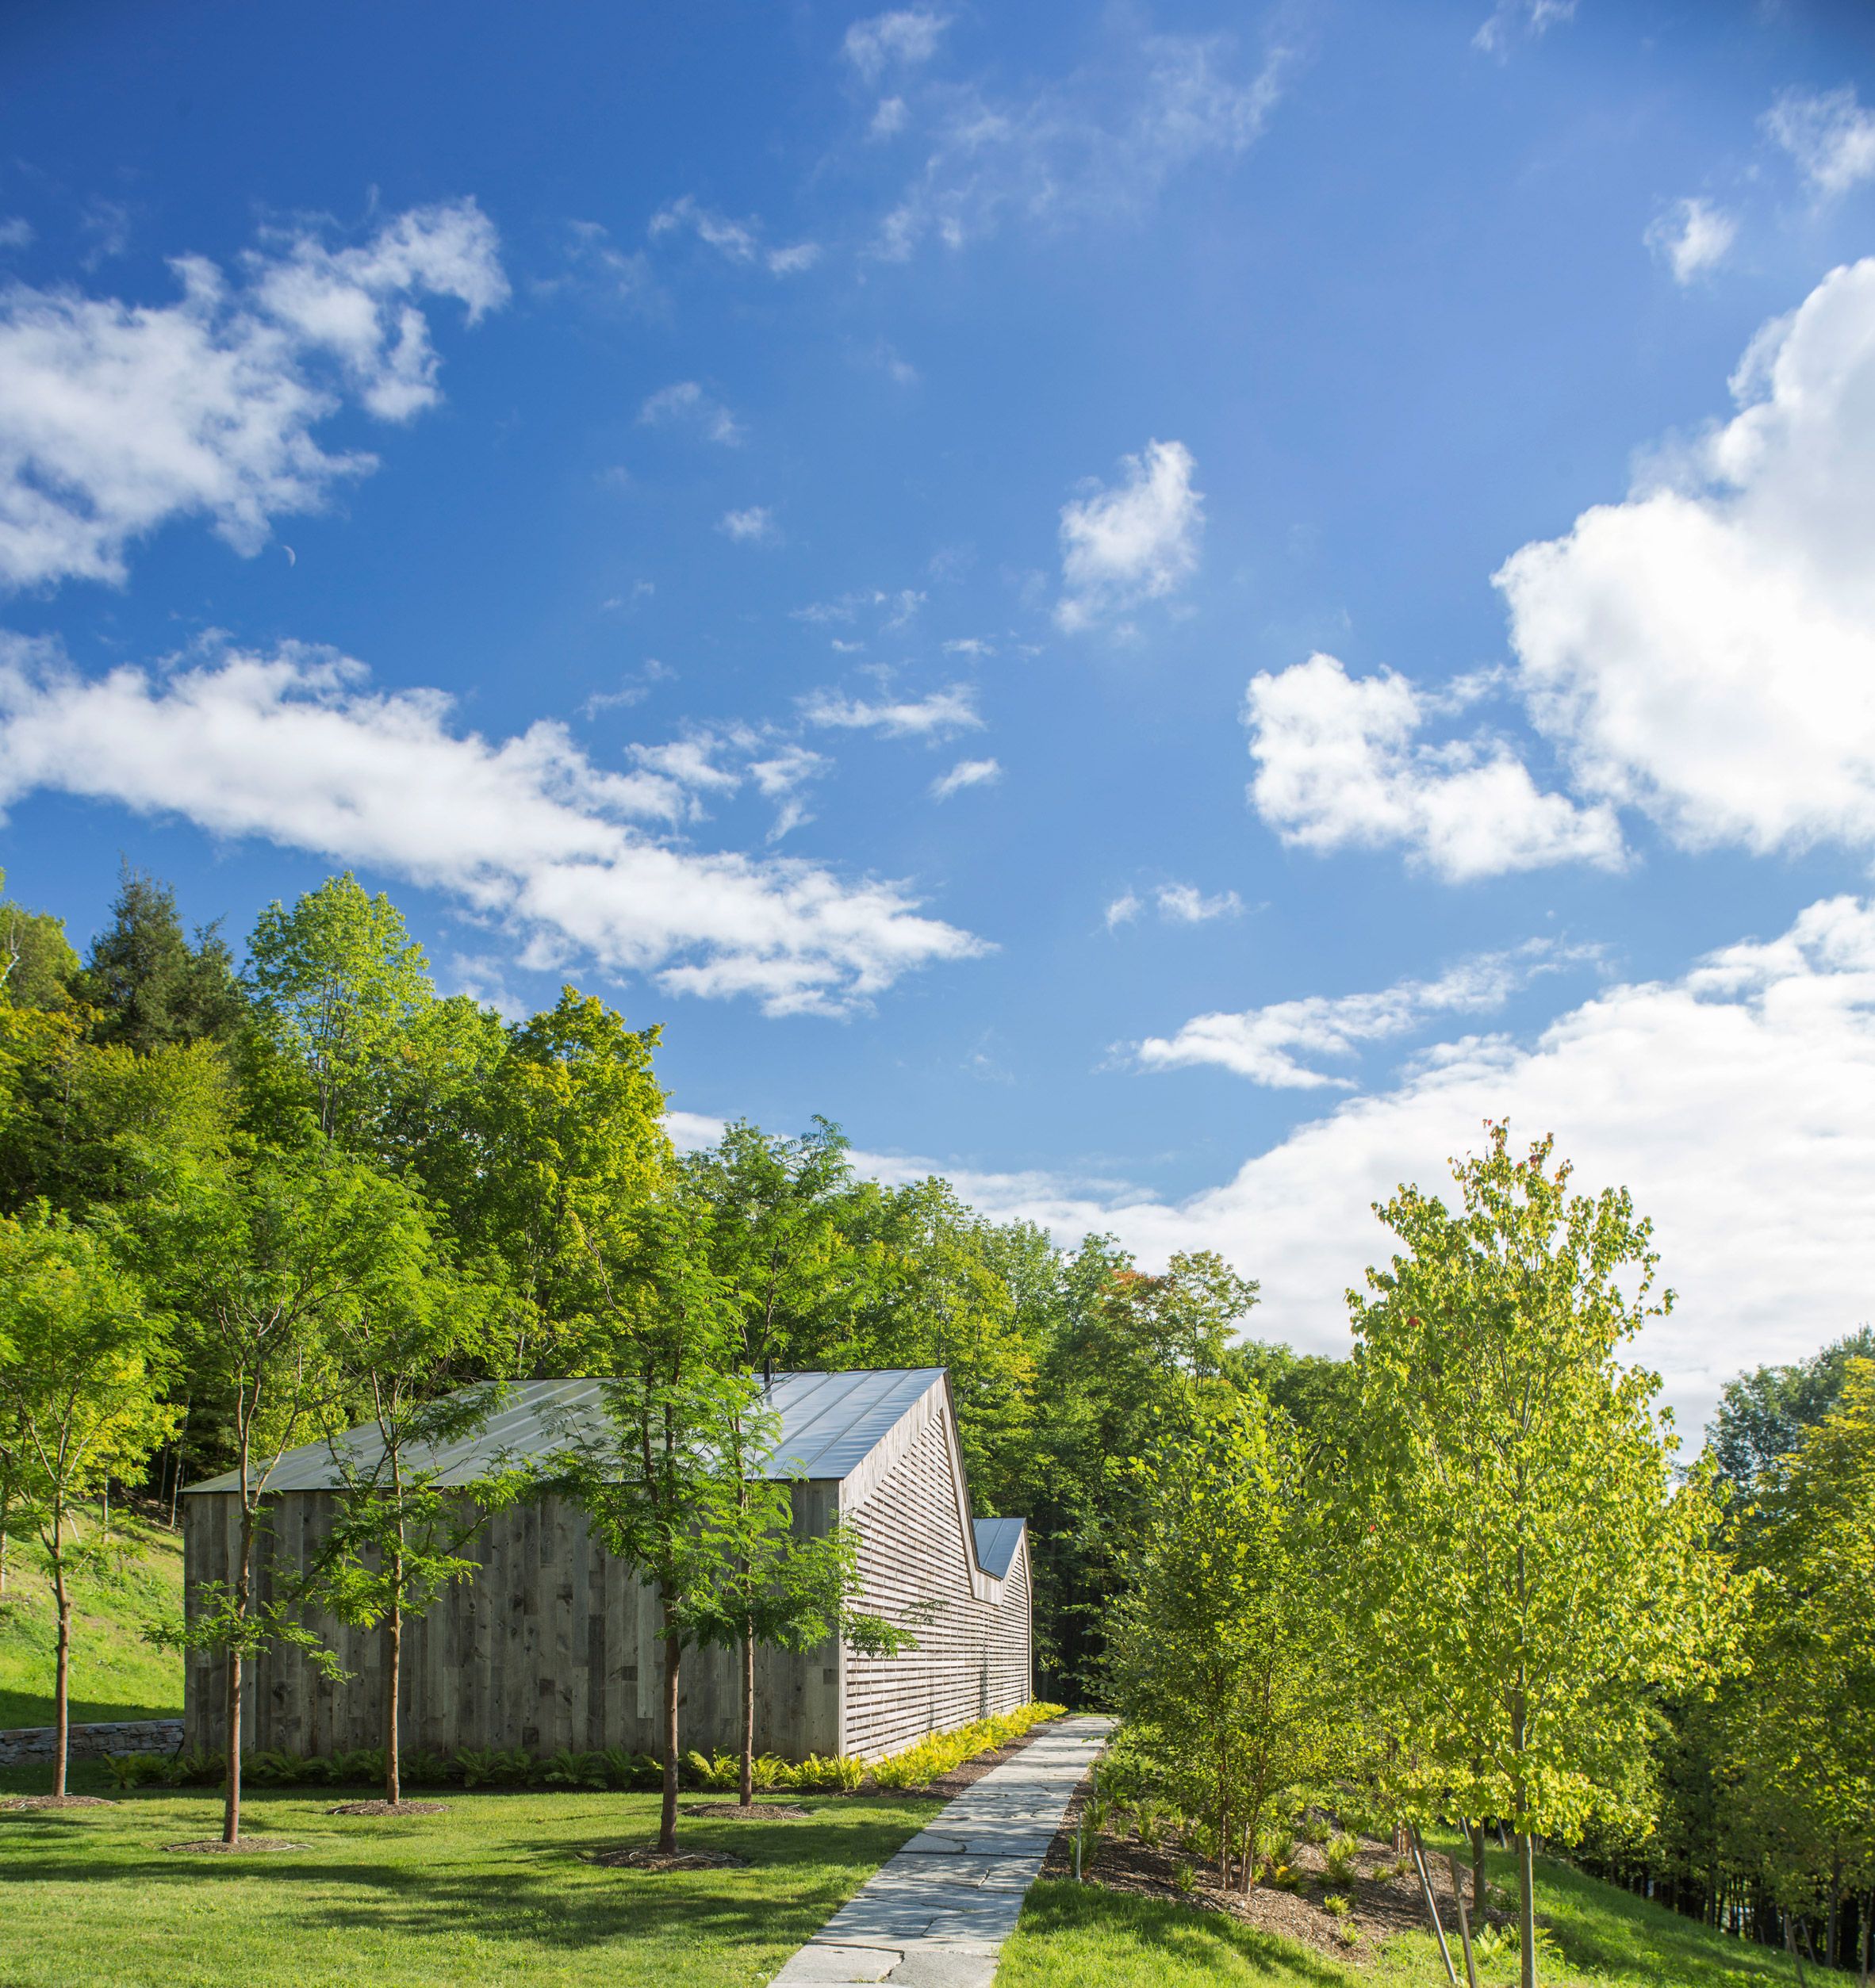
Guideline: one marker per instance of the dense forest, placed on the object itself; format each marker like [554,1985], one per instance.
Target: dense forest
[1461,1576]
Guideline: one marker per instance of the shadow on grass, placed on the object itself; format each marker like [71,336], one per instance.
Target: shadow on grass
[1608,1932]
[549,1895]
[1207,1942]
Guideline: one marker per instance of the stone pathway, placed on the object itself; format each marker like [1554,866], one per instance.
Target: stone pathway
[937,1914]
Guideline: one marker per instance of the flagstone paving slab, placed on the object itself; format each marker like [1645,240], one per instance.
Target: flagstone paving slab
[936,1914]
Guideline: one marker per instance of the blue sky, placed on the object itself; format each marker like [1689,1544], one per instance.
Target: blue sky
[1160,608]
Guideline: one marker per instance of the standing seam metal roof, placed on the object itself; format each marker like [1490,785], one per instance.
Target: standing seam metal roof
[830,1422]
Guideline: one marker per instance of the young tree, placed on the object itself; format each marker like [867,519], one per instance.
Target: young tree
[1225,1648]
[264,1264]
[656,1470]
[401,1356]
[1533,1573]
[82,1365]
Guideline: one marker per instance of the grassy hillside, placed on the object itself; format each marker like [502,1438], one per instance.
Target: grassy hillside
[115,1674]
[1071,1934]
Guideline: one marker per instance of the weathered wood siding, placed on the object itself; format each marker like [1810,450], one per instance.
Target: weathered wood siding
[918,1567]
[554,1643]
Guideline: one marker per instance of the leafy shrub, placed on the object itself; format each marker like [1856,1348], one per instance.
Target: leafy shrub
[1147,1823]
[199,1769]
[135,1770]
[274,1769]
[625,1769]
[426,1769]
[1339,1859]
[495,1767]
[768,1771]
[712,1770]
[841,1772]
[1185,1880]
[567,1769]
[938,1752]
[1314,1828]
[362,1767]
[1337,1904]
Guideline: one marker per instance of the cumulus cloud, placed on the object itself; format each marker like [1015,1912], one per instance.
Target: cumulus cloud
[1099,144]
[966,773]
[116,417]
[754,526]
[1692,236]
[935,716]
[735,241]
[576,861]
[685,402]
[901,39]
[1705,650]
[1339,765]
[1265,1045]
[1737,1101]
[1829,135]
[1133,542]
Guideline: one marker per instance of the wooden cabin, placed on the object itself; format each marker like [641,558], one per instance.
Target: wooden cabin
[554,1642]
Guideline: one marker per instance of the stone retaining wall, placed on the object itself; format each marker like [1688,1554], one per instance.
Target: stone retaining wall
[23,1745]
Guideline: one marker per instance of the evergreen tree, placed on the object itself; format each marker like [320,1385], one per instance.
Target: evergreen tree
[149,986]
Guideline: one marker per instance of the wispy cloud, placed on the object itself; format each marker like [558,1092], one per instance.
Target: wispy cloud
[574,861]
[900,39]
[753,526]
[1829,135]
[935,716]
[1692,236]
[1176,903]
[735,241]
[966,773]
[116,417]
[1132,543]
[685,402]
[1266,1045]
[1512,17]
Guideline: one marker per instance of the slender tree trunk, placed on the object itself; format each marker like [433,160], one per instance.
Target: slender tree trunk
[1868,1915]
[394,1662]
[175,1482]
[1791,1945]
[231,1806]
[5,1502]
[667,1821]
[1833,1925]
[1477,1874]
[62,1680]
[748,1786]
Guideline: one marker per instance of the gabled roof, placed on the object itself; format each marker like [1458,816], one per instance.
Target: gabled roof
[830,1422]
[996,1542]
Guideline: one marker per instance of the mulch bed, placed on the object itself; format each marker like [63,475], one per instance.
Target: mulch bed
[1381,1902]
[643,1860]
[57,1801]
[389,1808]
[754,1812]
[258,1845]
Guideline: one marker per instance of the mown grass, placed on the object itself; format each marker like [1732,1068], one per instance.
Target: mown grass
[115,1674]
[496,1891]
[1072,1934]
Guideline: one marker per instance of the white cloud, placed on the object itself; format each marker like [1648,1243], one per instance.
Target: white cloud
[902,39]
[1530,17]
[1185,904]
[1100,144]
[1737,1101]
[1829,135]
[16,232]
[1135,542]
[966,773]
[1705,650]
[1692,236]
[1264,1044]
[527,832]
[894,610]
[1339,767]
[1124,909]
[736,241]
[754,526]
[972,646]
[781,777]
[889,119]
[685,401]
[115,418]
[935,716]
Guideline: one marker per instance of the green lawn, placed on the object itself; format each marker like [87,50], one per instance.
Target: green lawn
[495,1893]
[1072,1934]
[115,1674]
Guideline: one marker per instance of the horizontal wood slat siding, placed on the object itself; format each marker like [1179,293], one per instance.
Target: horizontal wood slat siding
[554,1643]
[916,1566]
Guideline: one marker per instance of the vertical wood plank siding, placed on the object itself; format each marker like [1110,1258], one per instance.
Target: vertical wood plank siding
[554,1642]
